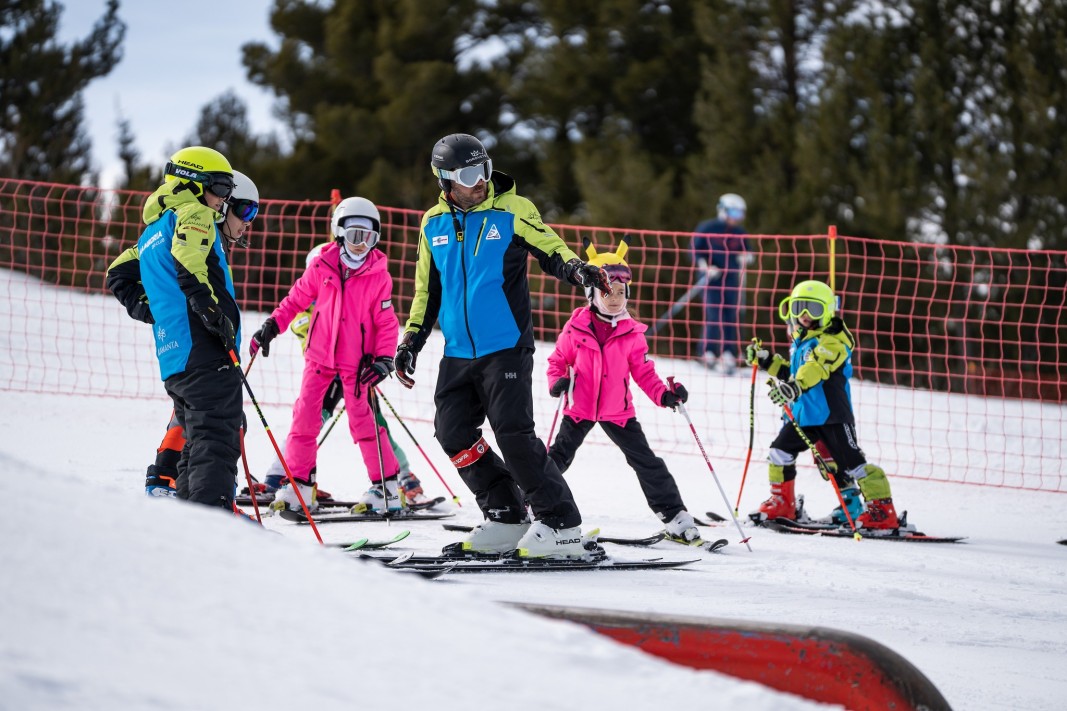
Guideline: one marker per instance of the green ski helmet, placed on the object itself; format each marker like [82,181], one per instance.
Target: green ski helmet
[811,297]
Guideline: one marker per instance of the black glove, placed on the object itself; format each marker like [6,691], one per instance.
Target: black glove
[376,371]
[404,362]
[262,338]
[672,397]
[141,311]
[783,393]
[214,320]
[588,275]
[559,387]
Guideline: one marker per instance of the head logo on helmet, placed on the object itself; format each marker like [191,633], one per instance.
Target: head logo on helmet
[811,298]
[462,158]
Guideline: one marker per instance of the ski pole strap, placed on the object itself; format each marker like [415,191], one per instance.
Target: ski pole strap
[469,456]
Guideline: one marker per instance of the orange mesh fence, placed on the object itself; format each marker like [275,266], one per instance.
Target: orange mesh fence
[959,367]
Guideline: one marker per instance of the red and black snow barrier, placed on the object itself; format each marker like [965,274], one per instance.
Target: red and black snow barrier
[818,663]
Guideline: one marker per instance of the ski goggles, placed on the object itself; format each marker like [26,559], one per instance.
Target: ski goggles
[468,176]
[795,308]
[618,272]
[359,236]
[220,184]
[735,213]
[243,209]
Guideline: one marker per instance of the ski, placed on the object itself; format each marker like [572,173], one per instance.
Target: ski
[337,504]
[709,546]
[402,515]
[431,572]
[640,542]
[1063,542]
[784,525]
[525,565]
[367,544]
[712,516]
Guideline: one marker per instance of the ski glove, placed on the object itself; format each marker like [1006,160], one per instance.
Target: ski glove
[588,276]
[376,371]
[559,387]
[783,393]
[214,320]
[404,362]
[262,338]
[755,354]
[672,397]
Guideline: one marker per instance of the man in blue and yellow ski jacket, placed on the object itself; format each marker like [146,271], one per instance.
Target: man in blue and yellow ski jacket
[471,277]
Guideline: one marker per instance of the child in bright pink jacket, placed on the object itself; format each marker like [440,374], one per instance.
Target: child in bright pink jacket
[600,347]
[353,334]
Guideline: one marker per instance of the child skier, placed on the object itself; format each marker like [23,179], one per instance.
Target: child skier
[600,347]
[275,478]
[814,383]
[352,334]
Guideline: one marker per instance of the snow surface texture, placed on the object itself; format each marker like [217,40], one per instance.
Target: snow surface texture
[109,600]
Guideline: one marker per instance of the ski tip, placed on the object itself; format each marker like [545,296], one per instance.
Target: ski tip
[715,517]
[857,536]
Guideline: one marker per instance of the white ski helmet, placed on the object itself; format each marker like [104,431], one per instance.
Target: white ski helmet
[732,206]
[243,202]
[355,221]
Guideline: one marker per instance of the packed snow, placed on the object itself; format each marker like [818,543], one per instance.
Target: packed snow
[112,600]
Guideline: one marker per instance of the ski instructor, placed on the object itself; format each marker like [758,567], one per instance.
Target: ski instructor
[471,274]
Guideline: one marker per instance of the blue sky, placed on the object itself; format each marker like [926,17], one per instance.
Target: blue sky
[153,87]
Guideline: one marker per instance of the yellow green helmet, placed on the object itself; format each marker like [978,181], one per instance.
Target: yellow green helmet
[203,166]
[811,297]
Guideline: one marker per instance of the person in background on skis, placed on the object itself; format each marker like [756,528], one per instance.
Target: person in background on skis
[721,250]
[275,478]
[814,384]
[352,335]
[124,281]
[471,272]
[183,271]
[600,347]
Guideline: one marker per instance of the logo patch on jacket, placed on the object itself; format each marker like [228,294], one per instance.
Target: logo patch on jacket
[387,304]
[439,240]
[494,233]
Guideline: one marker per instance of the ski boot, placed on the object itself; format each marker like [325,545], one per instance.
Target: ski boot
[543,541]
[683,529]
[286,498]
[851,497]
[412,487]
[879,514]
[490,537]
[158,485]
[373,501]
[781,503]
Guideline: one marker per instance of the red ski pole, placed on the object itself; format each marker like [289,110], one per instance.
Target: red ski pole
[248,477]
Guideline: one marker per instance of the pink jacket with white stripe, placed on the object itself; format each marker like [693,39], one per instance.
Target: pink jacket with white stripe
[351,317]
[601,373]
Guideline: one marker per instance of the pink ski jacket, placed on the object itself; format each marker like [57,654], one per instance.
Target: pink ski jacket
[352,317]
[601,374]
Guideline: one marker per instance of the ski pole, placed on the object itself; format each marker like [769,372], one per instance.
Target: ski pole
[700,445]
[277,449]
[418,446]
[378,444]
[333,421]
[678,305]
[822,462]
[559,409]
[248,478]
[751,425]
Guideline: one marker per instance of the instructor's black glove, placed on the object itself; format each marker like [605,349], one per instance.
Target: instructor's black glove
[376,371]
[588,275]
[261,339]
[559,387]
[672,397]
[406,355]
[214,320]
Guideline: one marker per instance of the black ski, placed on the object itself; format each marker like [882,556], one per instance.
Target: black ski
[528,565]
[641,542]
[337,504]
[785,525]
[402,515]
[704,545]
[712,516]
[1063,542]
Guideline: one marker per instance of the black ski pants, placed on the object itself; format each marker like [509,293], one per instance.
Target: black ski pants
[839,438]
[500,386]
[657,483]
[208,406]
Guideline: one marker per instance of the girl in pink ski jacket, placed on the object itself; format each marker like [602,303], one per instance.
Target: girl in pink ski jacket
[600,347]
[352,334]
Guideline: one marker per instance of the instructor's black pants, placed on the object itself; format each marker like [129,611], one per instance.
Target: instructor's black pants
[500,386]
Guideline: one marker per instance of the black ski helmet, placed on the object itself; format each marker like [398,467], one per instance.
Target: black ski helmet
[455,151]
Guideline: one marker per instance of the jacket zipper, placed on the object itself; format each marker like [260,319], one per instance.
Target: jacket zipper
[478,242]
[463,263]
